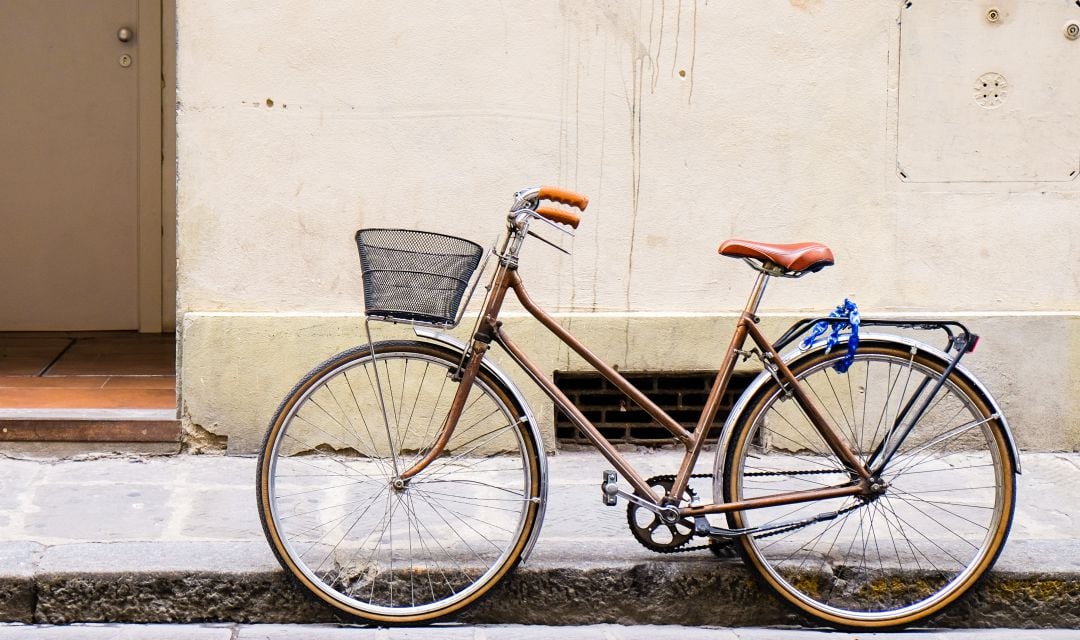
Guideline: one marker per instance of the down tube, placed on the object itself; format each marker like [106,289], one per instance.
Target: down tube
[579,419]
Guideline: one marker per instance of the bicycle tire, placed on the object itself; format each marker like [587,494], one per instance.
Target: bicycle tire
[902,557]
[331,513]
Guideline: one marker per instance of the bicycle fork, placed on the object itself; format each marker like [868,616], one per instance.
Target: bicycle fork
[468,376]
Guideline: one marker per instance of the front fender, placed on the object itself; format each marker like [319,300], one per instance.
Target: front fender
[795,353]
[493,369]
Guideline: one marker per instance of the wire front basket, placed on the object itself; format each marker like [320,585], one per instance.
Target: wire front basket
[415,276]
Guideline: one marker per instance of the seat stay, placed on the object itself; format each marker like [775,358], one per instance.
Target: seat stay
[835,442]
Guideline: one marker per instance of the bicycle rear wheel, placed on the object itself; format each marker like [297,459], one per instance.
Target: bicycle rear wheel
[351,534]
[886,561]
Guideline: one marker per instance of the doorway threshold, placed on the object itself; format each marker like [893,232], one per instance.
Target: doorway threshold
[88,387]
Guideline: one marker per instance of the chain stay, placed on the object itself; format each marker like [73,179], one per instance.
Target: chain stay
[799,525]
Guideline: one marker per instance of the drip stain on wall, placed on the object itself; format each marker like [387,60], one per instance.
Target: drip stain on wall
[639,55]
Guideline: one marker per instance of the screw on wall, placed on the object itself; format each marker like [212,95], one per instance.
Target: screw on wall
[990,90]
[1072,30]
[993,15]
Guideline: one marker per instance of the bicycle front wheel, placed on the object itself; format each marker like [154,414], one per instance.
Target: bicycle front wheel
[892,559]
[341,522]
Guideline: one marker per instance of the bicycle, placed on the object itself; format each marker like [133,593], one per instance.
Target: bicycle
[400,481]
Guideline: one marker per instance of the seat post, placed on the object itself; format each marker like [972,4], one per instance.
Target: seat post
[757,293]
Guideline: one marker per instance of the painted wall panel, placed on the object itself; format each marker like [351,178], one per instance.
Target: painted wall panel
[989,92]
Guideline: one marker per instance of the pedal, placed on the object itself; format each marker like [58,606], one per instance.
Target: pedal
[609,489]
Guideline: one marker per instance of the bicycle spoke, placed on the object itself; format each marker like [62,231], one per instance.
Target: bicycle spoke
[828,412]
[912,499]
[472,501]
[360,412]
[320,525]
[463,519]
[351,427]
[450,527]
[944,438]
[418,524]
[416,399]
[352,472]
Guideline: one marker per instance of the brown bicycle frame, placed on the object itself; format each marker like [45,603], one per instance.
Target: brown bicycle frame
[490,329]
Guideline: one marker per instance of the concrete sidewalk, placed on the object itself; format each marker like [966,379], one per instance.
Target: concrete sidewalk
[178,539]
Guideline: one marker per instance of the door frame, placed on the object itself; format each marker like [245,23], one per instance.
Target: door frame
[167,190]
[156,25]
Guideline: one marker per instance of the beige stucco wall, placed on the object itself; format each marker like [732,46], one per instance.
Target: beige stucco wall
[685,122]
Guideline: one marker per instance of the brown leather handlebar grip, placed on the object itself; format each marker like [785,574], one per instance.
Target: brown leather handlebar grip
[560,216]
[564,196]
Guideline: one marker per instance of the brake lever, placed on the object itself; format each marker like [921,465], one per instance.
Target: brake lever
[559,227]
[548,242]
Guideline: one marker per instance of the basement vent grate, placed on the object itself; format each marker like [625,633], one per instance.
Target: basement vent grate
[681,394]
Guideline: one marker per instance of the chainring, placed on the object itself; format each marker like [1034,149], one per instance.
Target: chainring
[652,532]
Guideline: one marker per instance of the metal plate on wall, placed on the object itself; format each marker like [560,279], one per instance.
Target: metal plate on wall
[989,91]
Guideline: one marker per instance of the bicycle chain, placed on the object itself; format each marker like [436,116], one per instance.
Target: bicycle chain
[684,549]
[814,472]
[804,524]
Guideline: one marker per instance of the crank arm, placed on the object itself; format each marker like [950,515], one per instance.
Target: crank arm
[639,501]
[668,514]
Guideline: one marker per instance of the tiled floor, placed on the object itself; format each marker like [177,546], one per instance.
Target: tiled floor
[107,370]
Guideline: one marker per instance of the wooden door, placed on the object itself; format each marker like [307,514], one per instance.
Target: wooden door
[80,165]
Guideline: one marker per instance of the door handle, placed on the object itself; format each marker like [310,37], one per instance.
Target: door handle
[124,34]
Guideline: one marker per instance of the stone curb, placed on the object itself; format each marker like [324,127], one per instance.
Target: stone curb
[240,582]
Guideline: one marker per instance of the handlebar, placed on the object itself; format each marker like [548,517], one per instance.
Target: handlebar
[528,201]
[527,204]
[563,196]
[560,216]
